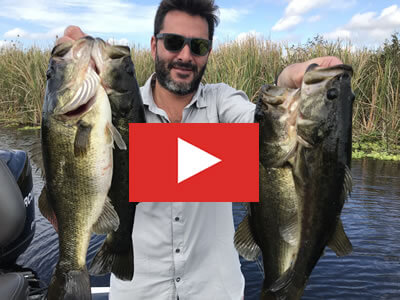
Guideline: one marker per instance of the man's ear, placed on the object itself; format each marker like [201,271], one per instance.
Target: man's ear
[153,45]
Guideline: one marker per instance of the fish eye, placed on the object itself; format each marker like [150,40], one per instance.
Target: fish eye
[49,73]
[345,76]
[332,94]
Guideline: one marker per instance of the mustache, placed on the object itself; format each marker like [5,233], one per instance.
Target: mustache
[178,64]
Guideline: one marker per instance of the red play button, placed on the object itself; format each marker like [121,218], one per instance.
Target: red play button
[186,162]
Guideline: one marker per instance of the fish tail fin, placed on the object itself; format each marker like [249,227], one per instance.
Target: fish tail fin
[281,288]
[107,260]
[72,285]
[266,294]
[123,267]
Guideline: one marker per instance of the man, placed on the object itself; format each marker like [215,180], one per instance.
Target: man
[186,249]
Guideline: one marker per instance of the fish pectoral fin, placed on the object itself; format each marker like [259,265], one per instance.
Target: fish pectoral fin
[46,209]
[244,241]
[82,138]
[290,154]
[339,241]
[289,231]
[108,220]
[116,136]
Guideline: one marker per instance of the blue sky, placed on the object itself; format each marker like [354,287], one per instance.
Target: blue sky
[364,22]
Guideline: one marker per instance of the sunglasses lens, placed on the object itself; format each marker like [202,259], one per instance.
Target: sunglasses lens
[199,46]
[173,42]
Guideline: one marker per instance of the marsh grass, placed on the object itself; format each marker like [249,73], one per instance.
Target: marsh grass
[22,84]
[245,65]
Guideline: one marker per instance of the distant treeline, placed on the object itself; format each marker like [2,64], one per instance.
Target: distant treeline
[245,65]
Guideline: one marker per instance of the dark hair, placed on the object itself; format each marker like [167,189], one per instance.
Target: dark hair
[203,8]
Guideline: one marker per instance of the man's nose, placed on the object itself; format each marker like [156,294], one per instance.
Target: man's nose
[185,54]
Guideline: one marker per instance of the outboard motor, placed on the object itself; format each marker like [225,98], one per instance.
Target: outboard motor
[17,212]
[17,225]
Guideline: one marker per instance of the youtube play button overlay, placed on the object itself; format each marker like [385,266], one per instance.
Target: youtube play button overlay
[192,162]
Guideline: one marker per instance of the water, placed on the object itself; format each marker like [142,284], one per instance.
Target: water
[371,218]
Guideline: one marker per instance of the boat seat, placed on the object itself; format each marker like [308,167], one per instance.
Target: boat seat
[13,286]
[12,208]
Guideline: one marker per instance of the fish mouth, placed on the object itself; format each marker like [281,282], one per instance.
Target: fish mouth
[315,75]
[83,98]
[81,109]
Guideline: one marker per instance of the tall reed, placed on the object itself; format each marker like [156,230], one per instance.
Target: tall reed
[245,65]
[22,84]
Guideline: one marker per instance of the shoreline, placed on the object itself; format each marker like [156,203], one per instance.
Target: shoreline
[366,149]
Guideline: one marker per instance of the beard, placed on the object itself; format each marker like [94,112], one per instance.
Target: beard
[163,75]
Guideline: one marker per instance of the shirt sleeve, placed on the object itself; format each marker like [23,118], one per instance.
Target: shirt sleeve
[234,106]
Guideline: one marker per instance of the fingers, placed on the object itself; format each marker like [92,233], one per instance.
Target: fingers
[71,33]
[74,32]
[292,76]
[325,61]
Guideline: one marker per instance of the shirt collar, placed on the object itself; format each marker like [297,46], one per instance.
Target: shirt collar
[147,95]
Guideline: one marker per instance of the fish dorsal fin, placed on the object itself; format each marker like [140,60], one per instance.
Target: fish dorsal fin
[290,230]
[116,136]
[46,209]
[244,241]
[339,241]
[108,220]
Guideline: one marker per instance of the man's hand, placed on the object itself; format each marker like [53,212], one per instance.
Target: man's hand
[292,76]
[71,33]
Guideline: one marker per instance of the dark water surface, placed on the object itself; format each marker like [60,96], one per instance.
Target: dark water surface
[371,218]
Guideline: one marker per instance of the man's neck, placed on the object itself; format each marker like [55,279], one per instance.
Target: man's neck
[171,103]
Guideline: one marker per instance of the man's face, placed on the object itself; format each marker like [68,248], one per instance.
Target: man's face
[180,72]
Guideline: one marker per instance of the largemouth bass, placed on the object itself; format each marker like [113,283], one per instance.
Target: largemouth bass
[117,76]
[260,229]
[321,171]
[77,137]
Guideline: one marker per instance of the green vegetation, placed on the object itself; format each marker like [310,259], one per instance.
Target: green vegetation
[245,65]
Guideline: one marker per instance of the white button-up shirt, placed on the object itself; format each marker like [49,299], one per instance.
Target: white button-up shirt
[185,249]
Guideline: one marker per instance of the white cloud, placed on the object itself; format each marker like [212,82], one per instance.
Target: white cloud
[16,32]
[369,27]
[231,14]
[20,33]
[92,16]
[5,44]
[245,35]
[123,41]
[341,34]
[300,7]
[314,19]
[287,23]
[294,13]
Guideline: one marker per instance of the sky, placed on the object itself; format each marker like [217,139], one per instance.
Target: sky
[366,23]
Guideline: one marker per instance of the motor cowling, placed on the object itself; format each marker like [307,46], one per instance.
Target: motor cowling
[17,212]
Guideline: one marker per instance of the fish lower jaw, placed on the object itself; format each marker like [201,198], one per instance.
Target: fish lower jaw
[79,111]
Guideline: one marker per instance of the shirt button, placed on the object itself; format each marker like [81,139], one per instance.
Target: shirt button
[177,250]
[178,279]
[176,219]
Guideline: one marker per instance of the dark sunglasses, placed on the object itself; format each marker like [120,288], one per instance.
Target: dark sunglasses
[175,43]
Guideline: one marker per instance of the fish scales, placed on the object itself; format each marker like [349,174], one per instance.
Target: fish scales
[77,138]
[321,171]
[278,199]
[118,75]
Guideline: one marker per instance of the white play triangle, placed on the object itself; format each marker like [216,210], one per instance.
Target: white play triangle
[192,160]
